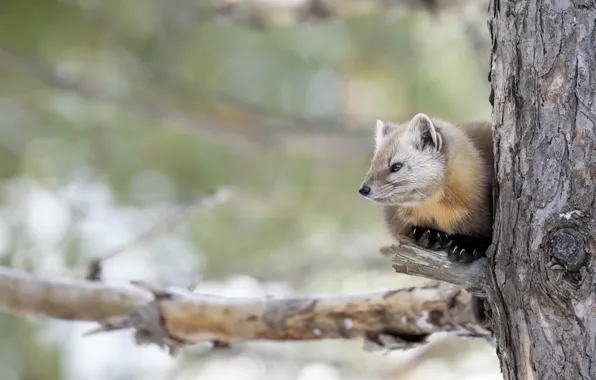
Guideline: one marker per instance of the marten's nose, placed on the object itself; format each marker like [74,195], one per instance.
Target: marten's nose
[364,190]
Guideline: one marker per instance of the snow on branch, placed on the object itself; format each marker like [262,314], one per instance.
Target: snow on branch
[385,319]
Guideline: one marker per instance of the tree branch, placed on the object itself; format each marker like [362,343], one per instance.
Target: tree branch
[24,294]
[202,203]
[261,14]
[388,319]
[416,261]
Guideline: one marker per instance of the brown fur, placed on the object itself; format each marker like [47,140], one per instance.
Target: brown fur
[458,203]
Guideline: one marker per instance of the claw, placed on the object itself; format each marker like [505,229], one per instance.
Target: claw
[425,239]
[464,249]
[438,241]
[414,230]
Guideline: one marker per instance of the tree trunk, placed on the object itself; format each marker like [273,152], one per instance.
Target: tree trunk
[543,77]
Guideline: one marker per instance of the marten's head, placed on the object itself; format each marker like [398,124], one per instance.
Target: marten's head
[408,166]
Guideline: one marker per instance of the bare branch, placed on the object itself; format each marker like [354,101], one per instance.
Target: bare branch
[23,294]
[203,203]
[416,261]
[396,318]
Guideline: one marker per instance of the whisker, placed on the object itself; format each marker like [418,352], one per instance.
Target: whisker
[399,182]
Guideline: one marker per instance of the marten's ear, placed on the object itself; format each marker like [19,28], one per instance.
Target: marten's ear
[425,132]
[382,129]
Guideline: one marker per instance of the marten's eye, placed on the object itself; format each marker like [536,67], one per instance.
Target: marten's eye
[395,167]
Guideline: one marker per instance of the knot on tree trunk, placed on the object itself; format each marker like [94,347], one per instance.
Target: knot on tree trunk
[568,247]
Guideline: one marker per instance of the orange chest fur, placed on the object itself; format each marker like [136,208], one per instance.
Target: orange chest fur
[438,215]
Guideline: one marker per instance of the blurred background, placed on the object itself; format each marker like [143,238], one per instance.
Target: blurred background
[219,146]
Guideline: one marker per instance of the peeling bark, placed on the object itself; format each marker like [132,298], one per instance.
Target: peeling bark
[419,262]
[543,77]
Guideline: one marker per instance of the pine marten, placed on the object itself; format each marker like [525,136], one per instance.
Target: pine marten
[434,180]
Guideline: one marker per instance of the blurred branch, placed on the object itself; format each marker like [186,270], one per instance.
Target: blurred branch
[476,33]
[259,14]
[442,347]
[138,102]
[262,14]
[416,261]
[238,137]
[272,354]
[203,203]
[388,319]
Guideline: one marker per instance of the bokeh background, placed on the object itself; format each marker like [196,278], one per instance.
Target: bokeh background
[118,118]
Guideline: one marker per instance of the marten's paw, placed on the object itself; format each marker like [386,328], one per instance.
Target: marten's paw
[465,249]
[428,238]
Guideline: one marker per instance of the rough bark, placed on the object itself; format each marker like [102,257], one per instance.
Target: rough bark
[543,77]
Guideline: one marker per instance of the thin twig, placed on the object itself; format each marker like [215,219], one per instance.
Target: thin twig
[202,203]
